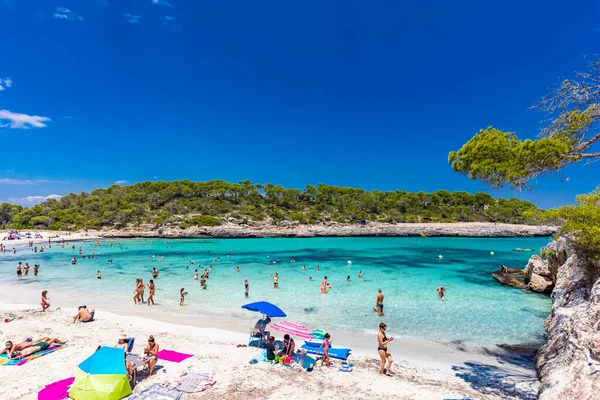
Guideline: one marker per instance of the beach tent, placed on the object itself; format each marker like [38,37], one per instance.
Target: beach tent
[101,376]
[265,308]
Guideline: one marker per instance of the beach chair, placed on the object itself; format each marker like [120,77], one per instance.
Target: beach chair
[129,342]
[256,340]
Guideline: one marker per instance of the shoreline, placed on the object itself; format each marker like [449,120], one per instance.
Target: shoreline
[425,370]
[371,229]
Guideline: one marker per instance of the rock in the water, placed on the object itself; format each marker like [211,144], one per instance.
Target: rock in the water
[540,284]
[537,266]
[508,280]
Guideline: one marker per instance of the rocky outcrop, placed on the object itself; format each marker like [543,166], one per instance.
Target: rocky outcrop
[509,279]
[330,229]
[538,275]
[568,363]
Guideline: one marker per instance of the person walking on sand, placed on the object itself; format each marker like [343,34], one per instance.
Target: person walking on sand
[441,292]
[246,287]
[379,303]
[325,346]
[182,294]
[44,303]
[152,289]
[383,351]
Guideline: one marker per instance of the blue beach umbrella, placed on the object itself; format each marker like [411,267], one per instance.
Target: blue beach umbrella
[266,308]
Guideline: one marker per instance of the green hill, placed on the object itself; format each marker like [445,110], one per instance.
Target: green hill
[211,203]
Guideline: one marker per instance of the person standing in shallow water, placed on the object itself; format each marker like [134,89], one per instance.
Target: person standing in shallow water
[441,292]
[379,303]
[246,287]
[152,289]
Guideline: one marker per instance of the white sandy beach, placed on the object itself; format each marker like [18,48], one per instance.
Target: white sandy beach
[215,351]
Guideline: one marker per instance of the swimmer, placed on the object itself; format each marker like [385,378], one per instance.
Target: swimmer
[348,279]
[310,278]
[360,274]
[237,269]
[441,292]
[98,275]
[317,268]
[304,268]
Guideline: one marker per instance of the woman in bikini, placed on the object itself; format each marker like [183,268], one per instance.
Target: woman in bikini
[383,350]
[141,288]
[136,292]
[150,352]
[152,290]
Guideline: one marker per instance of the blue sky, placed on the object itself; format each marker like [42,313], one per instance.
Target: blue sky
[349,93]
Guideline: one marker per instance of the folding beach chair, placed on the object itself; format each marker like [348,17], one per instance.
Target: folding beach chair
[256,340]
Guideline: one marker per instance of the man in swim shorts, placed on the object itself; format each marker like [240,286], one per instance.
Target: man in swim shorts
[84,315]
[379,305]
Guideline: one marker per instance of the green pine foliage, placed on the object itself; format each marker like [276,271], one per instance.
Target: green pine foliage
[184,203]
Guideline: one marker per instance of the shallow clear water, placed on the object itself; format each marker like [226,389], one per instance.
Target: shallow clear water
[477,309]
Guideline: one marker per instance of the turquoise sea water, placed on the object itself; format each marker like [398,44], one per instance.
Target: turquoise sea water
[476,310]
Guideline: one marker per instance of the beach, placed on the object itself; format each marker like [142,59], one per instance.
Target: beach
[425,368]
[215,351]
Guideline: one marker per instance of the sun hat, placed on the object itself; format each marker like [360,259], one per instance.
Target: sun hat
[122,336]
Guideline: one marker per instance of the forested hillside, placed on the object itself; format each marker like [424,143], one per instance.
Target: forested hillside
[211,203]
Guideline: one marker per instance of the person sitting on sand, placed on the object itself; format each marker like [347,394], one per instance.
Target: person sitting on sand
[122,342]
[288,346]
[441,292]
[44,302]
[383,350]
[150,352]
[271,348]
[84,315]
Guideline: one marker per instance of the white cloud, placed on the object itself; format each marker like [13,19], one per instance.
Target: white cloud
[5,83]
[22,121]
[120,183]
[167,19]
[133,19]
[33,199]
[164,3]
[66,14]
[10,181]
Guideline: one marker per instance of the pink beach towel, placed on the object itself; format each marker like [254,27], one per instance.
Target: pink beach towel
[173,356]
[57,390]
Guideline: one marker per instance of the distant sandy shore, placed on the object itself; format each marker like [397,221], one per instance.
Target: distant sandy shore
[374,229]
[429,373]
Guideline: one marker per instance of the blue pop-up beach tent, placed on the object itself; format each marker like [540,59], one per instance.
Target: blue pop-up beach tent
[266,308]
